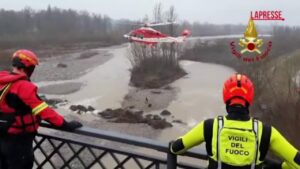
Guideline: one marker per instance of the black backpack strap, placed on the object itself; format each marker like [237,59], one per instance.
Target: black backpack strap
[297,158]
[255,128]
[208,132]
[220,127]
[265,141]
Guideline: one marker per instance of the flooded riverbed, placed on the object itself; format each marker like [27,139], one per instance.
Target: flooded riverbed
[199,96]
[193,98]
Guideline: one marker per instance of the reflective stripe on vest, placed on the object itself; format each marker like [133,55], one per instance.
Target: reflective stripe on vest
[39,108]
[237,146]
[4,90]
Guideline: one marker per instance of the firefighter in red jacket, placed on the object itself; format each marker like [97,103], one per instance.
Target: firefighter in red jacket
[21,111]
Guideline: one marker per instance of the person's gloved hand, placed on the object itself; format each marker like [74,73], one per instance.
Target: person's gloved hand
[71,126]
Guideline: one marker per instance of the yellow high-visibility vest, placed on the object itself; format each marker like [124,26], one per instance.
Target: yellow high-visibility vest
[236,142]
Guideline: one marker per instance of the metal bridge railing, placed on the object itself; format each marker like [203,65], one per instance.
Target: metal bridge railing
[89,148]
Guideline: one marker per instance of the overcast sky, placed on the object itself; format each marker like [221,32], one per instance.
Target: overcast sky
[212,11]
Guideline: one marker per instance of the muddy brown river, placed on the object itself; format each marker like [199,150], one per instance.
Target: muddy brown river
[192,98]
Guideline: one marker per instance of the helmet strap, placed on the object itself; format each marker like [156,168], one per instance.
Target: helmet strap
[29,70]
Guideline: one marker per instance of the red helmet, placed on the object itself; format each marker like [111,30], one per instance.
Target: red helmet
[238,86]
[26,57]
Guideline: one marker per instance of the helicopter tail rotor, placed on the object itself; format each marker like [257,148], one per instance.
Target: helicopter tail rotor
[186,33]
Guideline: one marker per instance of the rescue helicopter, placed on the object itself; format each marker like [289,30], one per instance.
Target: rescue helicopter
[149,36]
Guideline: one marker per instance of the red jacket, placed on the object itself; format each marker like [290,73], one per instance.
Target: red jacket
[19,99]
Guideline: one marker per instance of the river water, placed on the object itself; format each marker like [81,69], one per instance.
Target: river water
[106,85]
[198,95]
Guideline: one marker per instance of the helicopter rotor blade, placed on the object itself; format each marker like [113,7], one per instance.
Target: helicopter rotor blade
[160,24]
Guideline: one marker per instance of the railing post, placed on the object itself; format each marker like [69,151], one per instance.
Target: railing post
[171,159]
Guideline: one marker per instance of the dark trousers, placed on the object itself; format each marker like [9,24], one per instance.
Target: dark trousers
[16,152]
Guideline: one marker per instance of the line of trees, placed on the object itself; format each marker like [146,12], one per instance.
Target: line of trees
[54,26]
[285,39]
[57,26]
[197,28]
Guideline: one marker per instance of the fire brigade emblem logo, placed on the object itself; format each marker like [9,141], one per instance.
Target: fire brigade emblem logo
[249,48]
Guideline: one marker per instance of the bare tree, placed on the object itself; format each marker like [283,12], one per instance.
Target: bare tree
[171,16]
[157,13]
[152,66]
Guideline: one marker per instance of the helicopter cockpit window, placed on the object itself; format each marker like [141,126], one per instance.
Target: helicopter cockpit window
[141,36]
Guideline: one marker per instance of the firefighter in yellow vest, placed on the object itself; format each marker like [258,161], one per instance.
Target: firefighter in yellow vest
[238,141]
